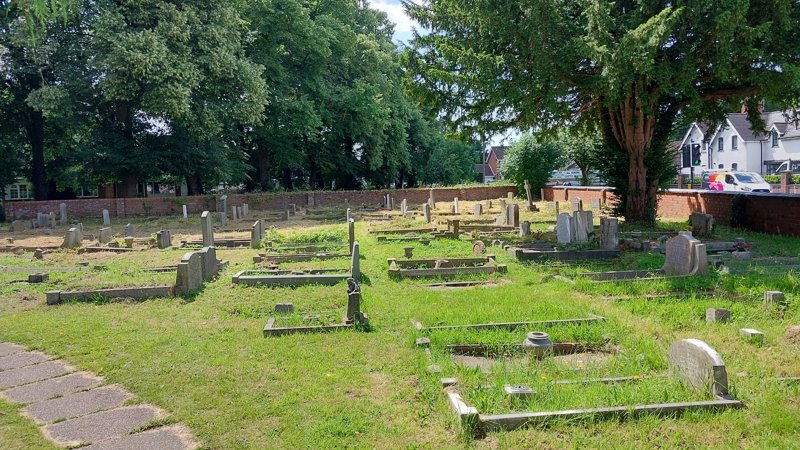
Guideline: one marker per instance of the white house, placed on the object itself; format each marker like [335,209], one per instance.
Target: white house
[735,146]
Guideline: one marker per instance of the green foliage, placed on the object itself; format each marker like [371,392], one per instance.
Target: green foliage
[584,148]
[531,159]
[776,179]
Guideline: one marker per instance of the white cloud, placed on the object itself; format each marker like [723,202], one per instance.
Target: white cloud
[396,13]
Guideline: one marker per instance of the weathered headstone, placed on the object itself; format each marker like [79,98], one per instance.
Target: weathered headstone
[20,225]
[190,274]
[502,203]
[245,209]
[594,204]
[774,298]
[240,212]
[699,365]
[680,256]
[431,201]
[581,226]
[223,204]
[351,234]
[478,248]
[164,239]
[355,264]
[347,216]
[529,206]
[185,212]
[105,235]
[51,220]
[210,265]
[455,206]
[404,207]
[41,220]
[207,228]
[702,224]
[62,213]
[284,308]
[129,241]
[128,230]
[234,216]
[73,238]
[223,217]
[577,204]
[478,209]
[106,217]
[79,225]
[255,235]
[609,233]
[426,212]
[525,229]
[353,300]
[293,208]
[564,228]
[510,195]
[720,315]
[512,215]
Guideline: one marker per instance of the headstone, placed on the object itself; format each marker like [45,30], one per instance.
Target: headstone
[51,220]
[478,209]
[224,204]
[209,263]
[347,216]
[233,213]
[351,235]
[699,365]
[408,252]
[680,258]
[752,335]
[529,195]
[105,235]
[700,259]
[353,300]
[73,238]
[190,274]
[62,213]
[245,209]
[355,264]
[595,204]
[581,226]
[129,241]
[208,229]
[128,230]
[293,208]
[38,254]
[42,220]
[455,206]
[774,298]
[564,228]
[185,212]
[106,217]
[20,225]
[720,315]
[80,226]
[512,215]
[609,233]
[38,277]
[702,224]
[255,235]
[240,212]
[525,229]
[164,239]
[510,195]
[284,308]
[478,248]
[502,203]
[404,207]
[431,201]
[577,204]
[426,212]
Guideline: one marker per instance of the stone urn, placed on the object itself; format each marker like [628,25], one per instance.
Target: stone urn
[538,343]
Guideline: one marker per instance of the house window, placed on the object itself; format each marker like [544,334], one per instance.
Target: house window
[18,192]
[774,138]
[735,166]
[721,166]
[734,142]
[720,144]
[85,191]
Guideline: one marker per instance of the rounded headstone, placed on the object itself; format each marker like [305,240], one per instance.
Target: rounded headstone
[478,248]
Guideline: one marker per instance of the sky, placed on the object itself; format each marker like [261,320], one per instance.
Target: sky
[397,15]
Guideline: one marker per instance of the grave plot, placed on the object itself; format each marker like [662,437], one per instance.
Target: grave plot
[503,376]
[274,277]
[286,321]
[444,267]
[308,247]
[575,230]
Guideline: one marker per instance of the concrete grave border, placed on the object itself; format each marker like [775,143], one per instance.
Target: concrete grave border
[407,268]
[273,278]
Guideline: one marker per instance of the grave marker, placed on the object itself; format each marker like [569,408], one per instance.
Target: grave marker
[190,274]
[455,206]
[224,205]
[530,206]
[512,215]
[564,228]
[255,235]
[609,233]
[720,315]
[355,265]
[577,204]
[699,365]
[128,230]
[164,239]
[351,235]
[209,262]
[478,209]
[681,256]
[106,217]
[105,235]
[431,201]
[426,212]
[185,212]
[73,238]
[207,228]
[62,217]
[525,229]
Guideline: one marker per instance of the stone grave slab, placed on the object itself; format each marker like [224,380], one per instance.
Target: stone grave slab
[700,366]
[22,359]
[173,437]
[33,373]
[102,425]
[7,348]
[43,390]
[77,404]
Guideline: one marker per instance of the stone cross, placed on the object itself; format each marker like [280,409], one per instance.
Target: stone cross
[679,256]
[223,217]
[240,212]
[502,203]
[106,217]
[564,228]
[700,366]
[245,209]
[208,229]
[190,274]
[62,213]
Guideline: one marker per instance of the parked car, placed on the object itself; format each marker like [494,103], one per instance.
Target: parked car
[734,181]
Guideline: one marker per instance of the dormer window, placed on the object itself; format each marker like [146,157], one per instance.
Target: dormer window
[774,138]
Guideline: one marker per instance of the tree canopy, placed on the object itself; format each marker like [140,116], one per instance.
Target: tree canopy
[626,68]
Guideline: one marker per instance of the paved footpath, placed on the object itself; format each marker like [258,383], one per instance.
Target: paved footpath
[75,408]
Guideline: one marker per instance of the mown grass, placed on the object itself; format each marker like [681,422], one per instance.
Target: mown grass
[204,358]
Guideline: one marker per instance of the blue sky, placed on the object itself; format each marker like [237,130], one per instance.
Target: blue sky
[397,15]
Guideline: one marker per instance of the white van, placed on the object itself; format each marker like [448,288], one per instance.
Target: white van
[734,181]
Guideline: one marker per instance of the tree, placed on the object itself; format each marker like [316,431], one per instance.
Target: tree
[584,149]
[532,159]
[626,68]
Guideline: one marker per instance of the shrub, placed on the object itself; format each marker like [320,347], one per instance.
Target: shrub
[533,160]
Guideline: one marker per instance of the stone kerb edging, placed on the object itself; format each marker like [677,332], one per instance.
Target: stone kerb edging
[75,408]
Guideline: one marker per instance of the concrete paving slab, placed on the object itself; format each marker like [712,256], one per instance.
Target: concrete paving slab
[7,348]
[31,374]
[78,404]
[173,437]
[96,427]
[21,359]
[54,387]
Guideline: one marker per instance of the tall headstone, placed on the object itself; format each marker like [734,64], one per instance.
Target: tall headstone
[512,215]
[577,204]
[426,212]
[355,264]
[555,207]
[455,206]
[164,239]
[234,216]
[255,235]
[105,235]
[208,229]
[128,230]
[185,212]
[223,217]
[700,366]
[581,235]
[210,265]
[510,195]
[245,209]
[190,274]
[240,212]
[431,200]
[595,204]
[564,228]
[351,234]
[62,213]
[404,207]
[353,301]
[73,238]
[525,229]
[609,233]
[478,209]
[530,206]
[224,204]
[106,217]
[347,216]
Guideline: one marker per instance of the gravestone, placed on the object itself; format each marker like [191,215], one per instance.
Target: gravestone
[594,204]
[512,215]
[554,207]
[51,220]
[431,201]
[353,300]
[699,366]
[79,225]
[700,259]
[478,209]
[245,209]
[609,233]
[680,256]
[577,204]
[240,212]
[454,227]
[164,239]
[284,308]
[209,262]
[581,226]
[233,213]
[20,225]
[478,248]
[426,212]
[720,315]
[255,235]
[386,202]
[564,228]
[752,335]
[223,217]
[510,195]
[702,224]
[351,235]
[347,215]
[41,220]
[455,206]
[525,229]
[223,204]
[105,235]
[106,217]
[207,228]
[529,206]
[355,264]
[773,298]
[190,274]
[391,202]
[128,230]
[287,215]
[403,207]
[129,241]
[185,212]
[62,213]
[73,238]
[293,209]
[502,203]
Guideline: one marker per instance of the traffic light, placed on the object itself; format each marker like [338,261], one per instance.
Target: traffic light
[686,157]
[695,154]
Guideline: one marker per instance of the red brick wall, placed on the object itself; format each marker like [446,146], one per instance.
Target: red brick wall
[162,206]
[768,213]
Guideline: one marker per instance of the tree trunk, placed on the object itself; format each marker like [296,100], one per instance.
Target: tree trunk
[286,178]
[35,131]
[193,185]
[584,175]
[633,128]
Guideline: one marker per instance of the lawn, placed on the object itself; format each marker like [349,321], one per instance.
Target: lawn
[204,358]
